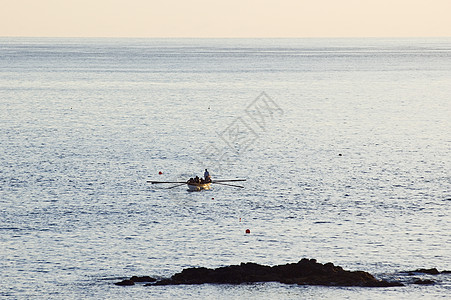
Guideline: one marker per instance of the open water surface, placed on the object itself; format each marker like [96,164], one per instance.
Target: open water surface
[347,157]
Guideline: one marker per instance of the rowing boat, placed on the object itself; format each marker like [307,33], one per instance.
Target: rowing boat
[193,187]
[198,186]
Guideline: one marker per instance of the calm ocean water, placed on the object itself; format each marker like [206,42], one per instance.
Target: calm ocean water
[347,157]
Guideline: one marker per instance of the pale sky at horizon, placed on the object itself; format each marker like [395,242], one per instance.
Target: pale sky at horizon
[232,18]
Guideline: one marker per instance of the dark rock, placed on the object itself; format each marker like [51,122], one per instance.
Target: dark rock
[433,271]
[142,279]
[423,281]
[125,282]
[305,272]
[166,281]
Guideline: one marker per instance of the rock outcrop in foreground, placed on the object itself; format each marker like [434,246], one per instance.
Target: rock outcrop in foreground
[305,272]
[425,281]
[134,279]
[432,271]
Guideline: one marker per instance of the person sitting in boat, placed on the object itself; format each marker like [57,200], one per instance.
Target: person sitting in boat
[197,180]
[191,180]
[207,176]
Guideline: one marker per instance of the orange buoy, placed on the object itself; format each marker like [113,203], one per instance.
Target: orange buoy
[160,173]
[248,231]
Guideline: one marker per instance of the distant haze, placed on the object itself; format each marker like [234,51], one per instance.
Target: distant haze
[231,18]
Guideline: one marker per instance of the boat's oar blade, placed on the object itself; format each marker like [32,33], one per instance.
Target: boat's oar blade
[154,182]
[239,186]
[174,186]
[227,180]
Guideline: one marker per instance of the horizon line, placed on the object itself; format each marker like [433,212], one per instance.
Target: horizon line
[227,37]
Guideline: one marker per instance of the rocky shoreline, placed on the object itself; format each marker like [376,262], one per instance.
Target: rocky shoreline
[304,272]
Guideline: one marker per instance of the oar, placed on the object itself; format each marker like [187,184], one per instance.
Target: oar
[174,186]
[230,185]
[227,180]
[153,182]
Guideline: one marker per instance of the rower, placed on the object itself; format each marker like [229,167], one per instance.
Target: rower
[207,176]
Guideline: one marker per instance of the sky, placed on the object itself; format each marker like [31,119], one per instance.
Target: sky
[228,18]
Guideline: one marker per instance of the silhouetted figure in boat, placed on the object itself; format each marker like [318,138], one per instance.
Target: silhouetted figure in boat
[207,176]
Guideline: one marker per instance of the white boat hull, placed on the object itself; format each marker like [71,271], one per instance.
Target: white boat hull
[198,186]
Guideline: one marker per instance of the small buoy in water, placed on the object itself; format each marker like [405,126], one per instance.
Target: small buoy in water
[160,173]
[212,198]
[248,231]
[240,219]
[339,154]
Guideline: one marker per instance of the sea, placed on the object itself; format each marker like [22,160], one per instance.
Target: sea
[345,145]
